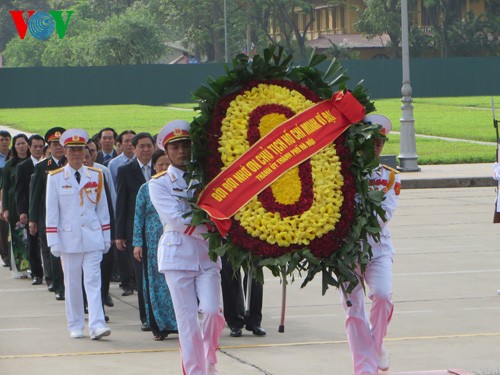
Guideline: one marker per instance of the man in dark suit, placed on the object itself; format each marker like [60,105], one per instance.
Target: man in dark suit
[130,178]
[37,209]
[107,137]
[22,197]
[5,139]
[233,299]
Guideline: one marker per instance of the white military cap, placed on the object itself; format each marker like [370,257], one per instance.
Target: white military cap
[176,130]
[380,120]
[74,138]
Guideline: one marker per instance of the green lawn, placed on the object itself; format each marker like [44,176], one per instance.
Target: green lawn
[458,117]
[94,118]
[467,118]
[435,151]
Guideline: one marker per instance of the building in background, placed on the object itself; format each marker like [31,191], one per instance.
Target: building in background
[334,25]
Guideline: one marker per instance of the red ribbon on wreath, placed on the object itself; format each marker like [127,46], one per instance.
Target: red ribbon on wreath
[285,147]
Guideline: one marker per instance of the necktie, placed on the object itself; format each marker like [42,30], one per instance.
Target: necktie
[107,157]
[146,172]
[77,176]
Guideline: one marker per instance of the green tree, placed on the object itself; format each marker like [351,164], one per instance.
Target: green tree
[198,25]
[76,49]
[283,16]
[492,25]
[129,38]
[103,9]
[421,44]
[8,29]
[458,34]
[380,17]
[132,37]
[24,53]
[468,37]
[448,11]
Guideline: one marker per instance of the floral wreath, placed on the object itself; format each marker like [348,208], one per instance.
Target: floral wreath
[316,217]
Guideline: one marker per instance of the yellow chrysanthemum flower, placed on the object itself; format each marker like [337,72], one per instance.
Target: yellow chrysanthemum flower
[327,179]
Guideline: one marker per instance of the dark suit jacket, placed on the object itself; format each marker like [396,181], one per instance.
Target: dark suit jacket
[110,208]
[39,188]
[100,157]
[22,194]
[129,180]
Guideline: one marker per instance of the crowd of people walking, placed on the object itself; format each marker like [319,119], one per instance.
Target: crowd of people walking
[78,213]
[81,211]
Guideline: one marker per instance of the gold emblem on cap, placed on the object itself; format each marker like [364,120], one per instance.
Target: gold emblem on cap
[76,137]
[57,133]
[178,131]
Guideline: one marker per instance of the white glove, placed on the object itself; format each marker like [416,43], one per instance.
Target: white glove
[107,246]
[55,251]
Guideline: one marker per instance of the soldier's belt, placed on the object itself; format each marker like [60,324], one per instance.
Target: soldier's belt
[188,231]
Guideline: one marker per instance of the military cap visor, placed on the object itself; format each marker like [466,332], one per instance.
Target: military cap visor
[174,131]
[74,138]
[54,134]
[381,120]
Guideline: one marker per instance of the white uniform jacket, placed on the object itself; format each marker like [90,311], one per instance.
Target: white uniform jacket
[387,180]
[77,213]
[181,246]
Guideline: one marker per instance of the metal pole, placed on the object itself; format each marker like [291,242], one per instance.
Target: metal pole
[407,145]
[248,292]
[281,327]
[226,55]
[496,215]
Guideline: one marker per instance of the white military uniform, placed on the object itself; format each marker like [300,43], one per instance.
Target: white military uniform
[190,273]
[365,334]
[78,229]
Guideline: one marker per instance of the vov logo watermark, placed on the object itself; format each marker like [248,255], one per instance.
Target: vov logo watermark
[41,25]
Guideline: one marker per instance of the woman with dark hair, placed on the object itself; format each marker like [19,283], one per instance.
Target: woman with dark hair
[18,153]
[147,232]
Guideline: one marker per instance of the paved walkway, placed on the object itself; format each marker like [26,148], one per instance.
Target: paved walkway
[449,175]
[447,315]
[451,139]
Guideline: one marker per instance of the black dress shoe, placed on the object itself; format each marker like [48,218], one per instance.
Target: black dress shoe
[108,301]
[36,281]
[145,327]
[235,332]
[106,318]
[127,292]
[50,288]
[256,330]
[60,296]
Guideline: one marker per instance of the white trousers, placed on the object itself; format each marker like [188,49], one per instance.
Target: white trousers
[73,264]
[198,344]
[365,334]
